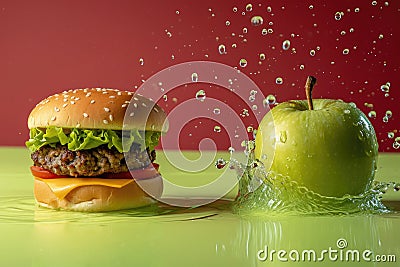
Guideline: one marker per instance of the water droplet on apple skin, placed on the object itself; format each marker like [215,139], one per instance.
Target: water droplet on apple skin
[283,136]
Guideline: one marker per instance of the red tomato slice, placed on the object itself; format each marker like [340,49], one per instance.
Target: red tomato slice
[45,174]
[148,172]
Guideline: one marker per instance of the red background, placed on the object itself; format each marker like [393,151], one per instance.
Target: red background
[50,46]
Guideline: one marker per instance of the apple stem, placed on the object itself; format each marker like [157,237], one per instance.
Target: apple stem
[311,80]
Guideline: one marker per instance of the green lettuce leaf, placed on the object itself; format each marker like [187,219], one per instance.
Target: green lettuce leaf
[80,139]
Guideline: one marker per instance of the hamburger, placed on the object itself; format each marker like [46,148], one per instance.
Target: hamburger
[93,150]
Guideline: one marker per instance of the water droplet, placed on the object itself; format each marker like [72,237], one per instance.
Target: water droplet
[245,113]
[217,111]
[385,88]
[372,114]
[346,111]
[264,31]
[243,63]
[201,95]
[312,52]
[262,56]
[270,30]
[385,119]
[278,80]
[396,187]
[254,107]
[165,97]
[264,156]
[357,9]
[301,67]
[311,7]
[250,129]
[227,23]
[386,3]
[217,129]
[269,9]
[286,45]
[195,77]
[351,30]
[269,100]
[374,3]
[346,51]
[389,113]
[220,163]
[252,98]
[388,84]
[257,20]
[361,135]
[283,136]
[234,9]
[141,61]
[231,149]
[338,15]
[249,7]
[244,30]
[396,145]
[221,49]
[390,135]
[342,33]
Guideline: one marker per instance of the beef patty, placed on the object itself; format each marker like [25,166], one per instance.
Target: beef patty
[91,162]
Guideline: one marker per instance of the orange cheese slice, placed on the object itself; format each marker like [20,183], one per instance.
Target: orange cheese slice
[62,186]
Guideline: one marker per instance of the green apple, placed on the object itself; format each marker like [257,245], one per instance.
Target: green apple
[328,146]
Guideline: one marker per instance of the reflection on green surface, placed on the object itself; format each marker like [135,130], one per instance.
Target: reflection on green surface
[170,236]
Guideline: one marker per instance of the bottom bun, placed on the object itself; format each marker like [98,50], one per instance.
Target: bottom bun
[95,198]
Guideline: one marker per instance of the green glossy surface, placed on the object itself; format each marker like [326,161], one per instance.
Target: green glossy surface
[207,236]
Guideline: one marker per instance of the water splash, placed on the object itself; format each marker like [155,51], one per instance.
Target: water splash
[262,191]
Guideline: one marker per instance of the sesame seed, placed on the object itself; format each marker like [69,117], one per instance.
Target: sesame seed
[53,118]
[106,109]
[65,95]
[78,125]
[119,93]
[105,121]
[136,98]
[135,105]
[56,109]
[66,104]
[92,101]
[72,102]
[155,109]
[77,98]
[130,93]
[104,92]
[112,96]
[144,104]
[127,102]
[111,117]
[85,115]
[132,114]
[88,94]
[124,105]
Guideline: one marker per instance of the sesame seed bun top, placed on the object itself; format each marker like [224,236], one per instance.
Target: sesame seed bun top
[97,108]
